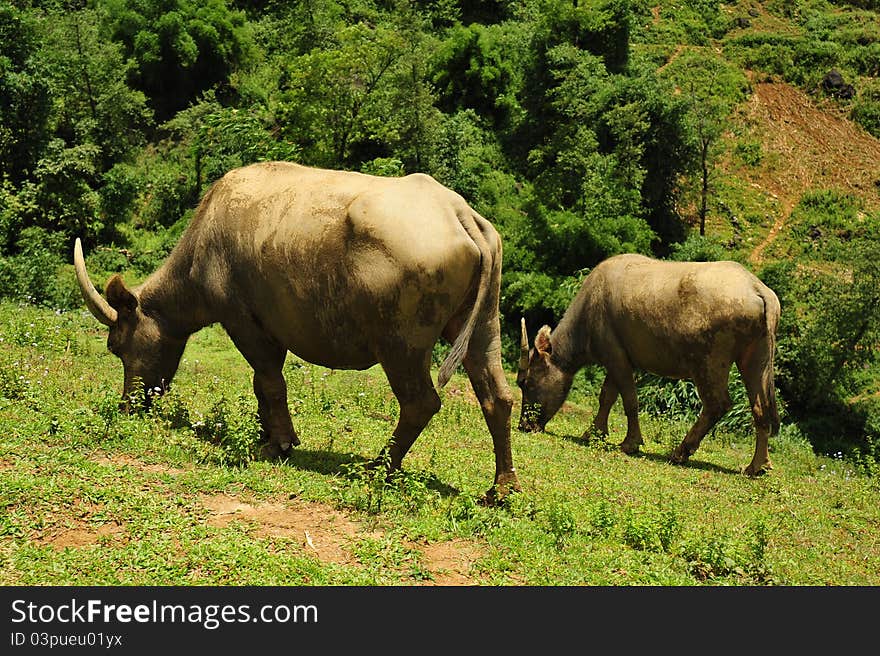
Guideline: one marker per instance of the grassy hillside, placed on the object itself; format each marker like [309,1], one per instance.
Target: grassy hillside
[173,496]
[170,497]
[793,185]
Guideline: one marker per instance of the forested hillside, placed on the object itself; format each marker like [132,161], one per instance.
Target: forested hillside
[690,130]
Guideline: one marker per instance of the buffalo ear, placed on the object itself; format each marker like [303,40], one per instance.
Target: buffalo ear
[119,296]
[542,340]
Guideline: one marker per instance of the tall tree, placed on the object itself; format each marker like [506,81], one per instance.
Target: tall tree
[711,87]
[93,102]
[181,47]
[360,97]
[25,95]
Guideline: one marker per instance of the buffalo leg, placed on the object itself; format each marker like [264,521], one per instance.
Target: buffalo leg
[756,368]
[410,379]
[621,377]
[271,392]
[633,439]
[483,365]
[267,359]
[607,397]
[712,390]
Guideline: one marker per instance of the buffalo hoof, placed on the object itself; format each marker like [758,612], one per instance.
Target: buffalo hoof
[754,471]
[594,435]
[504,486]
[679,457]
[271,451]
[630,448]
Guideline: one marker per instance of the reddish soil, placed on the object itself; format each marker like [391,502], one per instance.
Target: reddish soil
[80,525]
[122,460]
[808,144]
[324,532]
[329,534]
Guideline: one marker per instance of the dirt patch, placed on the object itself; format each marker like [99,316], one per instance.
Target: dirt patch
[82,525]
[320,529]
[121,460]
[329,534]
[464,392]
[809,144]
[82,535]
[450,562]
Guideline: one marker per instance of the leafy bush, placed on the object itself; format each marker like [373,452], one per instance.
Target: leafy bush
[367,487]
[180,47]
[749,152]
[828,332]
[653,530]
[168,193]
[233,427]
[692,21]
[230,137]
[172,410]
[824,218]
[722,555]
[698,248]
[866,108]
[799,60]
[560,522]
[389,167]
[472,69]
[34,274]
[602,519]
[119,193]
[679,399]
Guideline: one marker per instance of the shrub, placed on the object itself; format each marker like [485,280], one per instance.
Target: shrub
[866,108]
[653,531]
[560,522]
[168,194]
[234,427]
[827,337]
[34,274]
[679,399]
[749,152]
[698,248]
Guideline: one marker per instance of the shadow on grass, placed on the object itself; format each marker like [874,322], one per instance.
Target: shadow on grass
[320,461]
[329,463]
[692,463]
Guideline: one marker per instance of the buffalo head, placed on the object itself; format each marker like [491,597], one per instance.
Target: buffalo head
[544,385]
[149,354]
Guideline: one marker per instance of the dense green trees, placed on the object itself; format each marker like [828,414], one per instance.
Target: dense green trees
[25,99]
[828,338]
[576,126]
[179,48]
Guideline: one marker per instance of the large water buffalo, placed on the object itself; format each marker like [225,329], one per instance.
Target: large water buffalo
[675,319]
[344,270]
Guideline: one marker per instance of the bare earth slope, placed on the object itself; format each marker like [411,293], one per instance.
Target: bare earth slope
[808,146]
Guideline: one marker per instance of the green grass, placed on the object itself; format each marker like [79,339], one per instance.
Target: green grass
[91,497]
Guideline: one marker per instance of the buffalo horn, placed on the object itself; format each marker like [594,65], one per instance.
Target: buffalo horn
[96,303]
[524,348]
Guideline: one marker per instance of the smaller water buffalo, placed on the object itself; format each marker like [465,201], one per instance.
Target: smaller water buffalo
[675,319]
